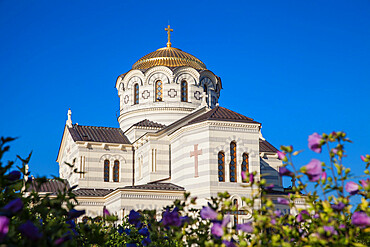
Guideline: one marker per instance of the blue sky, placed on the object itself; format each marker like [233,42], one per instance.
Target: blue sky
[296,66]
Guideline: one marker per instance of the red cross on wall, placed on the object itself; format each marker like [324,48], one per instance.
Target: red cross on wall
[195,153]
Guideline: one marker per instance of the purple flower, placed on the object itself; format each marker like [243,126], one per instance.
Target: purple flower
[144,231]
[314,142]
[251,178]
[282,156]
[285,172]
[269,187]
[63,239]
[106,212]
[73,213]
[334,150]
[4,226]
[146,241]
[352,188]
[246,227]
[171,218]
[228,243]
[342,226]
[134,217]
[338,207]
[30,231]
[313,170]
[14,175]
[360,219]
[14,206]
[301,217]
[330,229]
[282,201]
[277,213]
[131,245]
[208,213]
[217,230]
[365,183]
[244,176]
[127,231]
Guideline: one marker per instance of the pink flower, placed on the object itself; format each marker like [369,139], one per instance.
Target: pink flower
[314,142]
[323,176]
[285,172]
[352,188]
[106,212]
[313,170]
[282,201]
[281,156]
[301,217]
[244,176]
[363,158]
[251,178]
[360,219]
[246,227]
[365,183]
[4,226]
[208,213]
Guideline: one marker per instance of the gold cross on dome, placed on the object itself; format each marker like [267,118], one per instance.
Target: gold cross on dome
[169,30]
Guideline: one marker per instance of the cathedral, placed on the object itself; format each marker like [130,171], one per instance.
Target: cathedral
[173,137]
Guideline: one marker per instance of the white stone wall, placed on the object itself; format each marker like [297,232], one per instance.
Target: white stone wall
[171,108]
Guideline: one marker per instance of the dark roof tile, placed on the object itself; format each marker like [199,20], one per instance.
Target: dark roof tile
[52,186]
[267,147]
[92,192]
[156,186]
[222,114]
[149,124]
[98,134]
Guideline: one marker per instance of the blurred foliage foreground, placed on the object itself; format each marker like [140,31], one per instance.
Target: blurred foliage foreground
[330,219]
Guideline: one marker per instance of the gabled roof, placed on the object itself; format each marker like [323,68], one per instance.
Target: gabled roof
[98,134]
[149,124]
[222,114]
[266,147]
[92,192]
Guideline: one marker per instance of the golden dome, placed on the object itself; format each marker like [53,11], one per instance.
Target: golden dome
[170,57]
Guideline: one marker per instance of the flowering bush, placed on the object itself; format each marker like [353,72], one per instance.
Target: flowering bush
[331,216]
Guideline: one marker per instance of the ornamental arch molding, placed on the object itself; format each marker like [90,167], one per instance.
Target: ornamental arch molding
[133,80]
[158,73]
[127,77]
[188,71]
[185,76]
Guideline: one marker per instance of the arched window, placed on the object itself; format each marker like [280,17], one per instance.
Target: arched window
[221,167]
[116,171]
[184,91]
[136,94]
[245,163]
[106,170]
[233,162]
[158,91]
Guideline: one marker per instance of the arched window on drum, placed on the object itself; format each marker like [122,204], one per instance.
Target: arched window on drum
[116,171]
[158,91]
[136,94]
[245,163]
[184,91]
[232,162]
[205,89]
[106,170]
[221,166]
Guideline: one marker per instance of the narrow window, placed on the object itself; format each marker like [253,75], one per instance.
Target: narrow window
[221,167]
[106,170]
[245,163]
[233,162]
[116,171]
[205,89]
[136,94]
[184,91]
[158,91]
